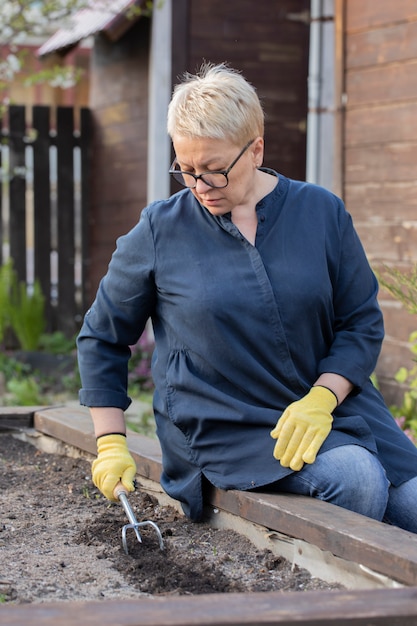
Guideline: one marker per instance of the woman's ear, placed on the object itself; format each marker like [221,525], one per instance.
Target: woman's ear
[257,151]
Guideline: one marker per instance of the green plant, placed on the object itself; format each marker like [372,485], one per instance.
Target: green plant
[403,287]
[408,377]
[27,385]
[24,392]
[56,343]
[27,314]
[22,386]
[144,423]
[86,492]
[21,310]
[11,368]
[7,279]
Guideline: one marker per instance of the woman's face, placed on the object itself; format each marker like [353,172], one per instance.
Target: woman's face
[199,155]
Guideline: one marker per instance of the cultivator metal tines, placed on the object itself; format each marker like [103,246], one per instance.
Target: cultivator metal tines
[121,493]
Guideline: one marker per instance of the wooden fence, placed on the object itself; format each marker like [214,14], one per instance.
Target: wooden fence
[44,202]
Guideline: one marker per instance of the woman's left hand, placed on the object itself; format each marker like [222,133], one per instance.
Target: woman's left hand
[303,427]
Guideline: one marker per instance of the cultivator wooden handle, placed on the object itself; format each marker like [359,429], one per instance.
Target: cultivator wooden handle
[121,493]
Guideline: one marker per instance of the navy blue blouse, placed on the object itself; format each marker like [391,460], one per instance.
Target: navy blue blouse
[241,331]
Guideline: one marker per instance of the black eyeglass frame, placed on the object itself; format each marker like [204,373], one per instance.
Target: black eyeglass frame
[197,177]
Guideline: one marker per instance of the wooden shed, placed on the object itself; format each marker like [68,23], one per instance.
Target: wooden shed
[337,81]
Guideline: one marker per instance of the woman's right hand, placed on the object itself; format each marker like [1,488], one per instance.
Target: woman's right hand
[113,464]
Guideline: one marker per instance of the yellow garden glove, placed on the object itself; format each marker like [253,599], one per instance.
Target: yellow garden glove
[303,427]
[113,464]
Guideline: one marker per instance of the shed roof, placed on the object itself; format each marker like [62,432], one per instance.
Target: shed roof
[108,16]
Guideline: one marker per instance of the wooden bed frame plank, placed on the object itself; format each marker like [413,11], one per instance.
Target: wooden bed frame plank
[15,417]
[394,607]
[386,549]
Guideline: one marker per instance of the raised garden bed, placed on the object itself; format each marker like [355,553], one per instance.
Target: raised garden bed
[61,542]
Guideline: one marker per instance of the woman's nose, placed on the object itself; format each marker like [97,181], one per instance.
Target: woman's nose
[201,185]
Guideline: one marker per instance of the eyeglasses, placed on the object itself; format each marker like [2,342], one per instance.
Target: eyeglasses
[217,179]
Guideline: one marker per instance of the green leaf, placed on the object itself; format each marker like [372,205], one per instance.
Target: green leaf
[402,375]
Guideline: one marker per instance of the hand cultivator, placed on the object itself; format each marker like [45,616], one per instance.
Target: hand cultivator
[121,493]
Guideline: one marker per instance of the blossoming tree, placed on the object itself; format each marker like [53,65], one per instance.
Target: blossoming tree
[23,21]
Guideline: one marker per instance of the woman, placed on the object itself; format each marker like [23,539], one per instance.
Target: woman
[266,324]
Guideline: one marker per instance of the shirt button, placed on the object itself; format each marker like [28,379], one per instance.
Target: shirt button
[262,218]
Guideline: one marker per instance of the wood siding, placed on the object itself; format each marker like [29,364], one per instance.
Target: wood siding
[269,42]
[119,101]
[380,151]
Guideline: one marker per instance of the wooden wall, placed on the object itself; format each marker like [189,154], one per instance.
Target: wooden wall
[119,103]
[269,42]
[380,151]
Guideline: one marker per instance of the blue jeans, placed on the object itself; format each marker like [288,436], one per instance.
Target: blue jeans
[353,478]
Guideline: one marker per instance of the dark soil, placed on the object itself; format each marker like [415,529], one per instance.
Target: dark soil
[61,540]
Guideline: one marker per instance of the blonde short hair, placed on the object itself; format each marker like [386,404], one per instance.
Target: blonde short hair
[217,102]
